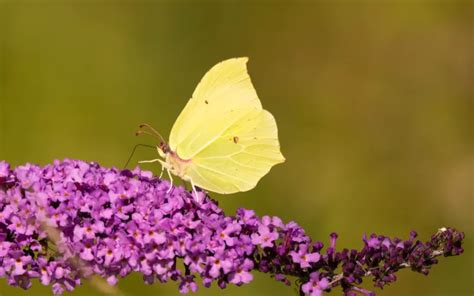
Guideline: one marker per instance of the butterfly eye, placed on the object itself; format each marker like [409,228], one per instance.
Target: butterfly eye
[236,140]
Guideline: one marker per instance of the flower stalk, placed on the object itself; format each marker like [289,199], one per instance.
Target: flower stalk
[71,220]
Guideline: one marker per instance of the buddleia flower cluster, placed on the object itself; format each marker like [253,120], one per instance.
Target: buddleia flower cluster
[64,222]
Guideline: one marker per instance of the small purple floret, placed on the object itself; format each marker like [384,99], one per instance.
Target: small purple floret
[316,285]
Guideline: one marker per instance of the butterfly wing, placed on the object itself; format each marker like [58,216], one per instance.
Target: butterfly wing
[231,141]
[224,94]
[240,157]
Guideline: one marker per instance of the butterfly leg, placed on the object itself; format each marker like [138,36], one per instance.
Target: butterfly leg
[162,170]
[171,181]
[155,160]
[196,196]
[149,161]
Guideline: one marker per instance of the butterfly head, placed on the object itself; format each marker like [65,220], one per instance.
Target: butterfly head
[163,149]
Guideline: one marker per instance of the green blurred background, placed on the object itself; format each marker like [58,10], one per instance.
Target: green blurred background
[373,102]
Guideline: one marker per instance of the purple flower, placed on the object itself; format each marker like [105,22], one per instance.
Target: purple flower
[303,257]
[264,237]
[226,234]
[242,275]
[315,286]
[188,285]
[86,250]
[64,222]
[18,265]
[4,169]
[153,235]
[112,280]
[88,231]
[219,263]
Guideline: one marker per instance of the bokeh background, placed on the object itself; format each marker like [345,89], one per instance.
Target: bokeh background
[373,101]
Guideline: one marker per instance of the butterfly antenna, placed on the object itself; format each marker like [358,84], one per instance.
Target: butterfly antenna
[133,152]
[141,132]
[153,131]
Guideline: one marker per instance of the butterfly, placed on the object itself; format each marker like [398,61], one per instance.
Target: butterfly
[223,141]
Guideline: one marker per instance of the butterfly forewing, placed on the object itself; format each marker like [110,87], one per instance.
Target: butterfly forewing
[224,93]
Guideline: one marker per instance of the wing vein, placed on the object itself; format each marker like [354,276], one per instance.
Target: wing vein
[227,127]
[222,173]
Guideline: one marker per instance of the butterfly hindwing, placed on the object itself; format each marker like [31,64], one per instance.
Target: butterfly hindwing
[238,159]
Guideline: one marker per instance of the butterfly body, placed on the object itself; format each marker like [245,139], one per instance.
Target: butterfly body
[223,140]
[174,164]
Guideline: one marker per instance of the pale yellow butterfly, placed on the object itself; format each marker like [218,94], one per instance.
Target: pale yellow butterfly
[223,140]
